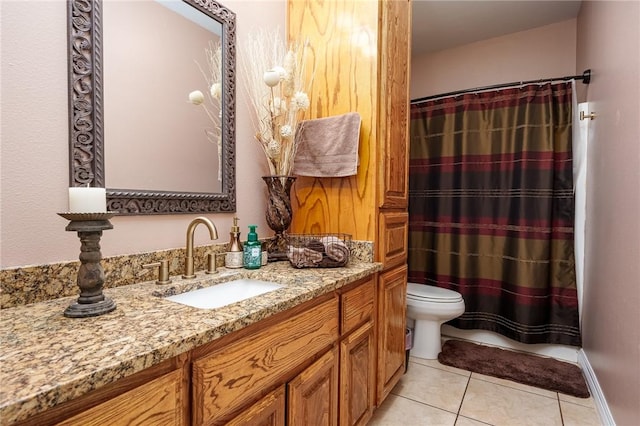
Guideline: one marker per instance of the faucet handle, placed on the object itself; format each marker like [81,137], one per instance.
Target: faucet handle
[211,263]
[163,271]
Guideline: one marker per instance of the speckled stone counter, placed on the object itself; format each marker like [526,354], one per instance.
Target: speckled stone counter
[47,359]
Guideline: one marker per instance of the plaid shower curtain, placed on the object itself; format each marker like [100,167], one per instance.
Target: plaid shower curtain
[491,209]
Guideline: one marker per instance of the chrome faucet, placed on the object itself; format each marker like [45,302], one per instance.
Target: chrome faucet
[213,232]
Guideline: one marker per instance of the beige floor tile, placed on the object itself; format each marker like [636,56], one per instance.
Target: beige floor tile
[432,386]
[435,364]
[515,385]
[585,402]
[578,415]
[399,411]
[502,405]
[465,421]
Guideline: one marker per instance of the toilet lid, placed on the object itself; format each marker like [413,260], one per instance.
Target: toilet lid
[429,292]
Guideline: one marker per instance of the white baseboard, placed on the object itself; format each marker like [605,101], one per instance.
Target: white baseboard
[594,388]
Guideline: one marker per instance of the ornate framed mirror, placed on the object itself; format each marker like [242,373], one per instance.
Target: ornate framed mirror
[186,167]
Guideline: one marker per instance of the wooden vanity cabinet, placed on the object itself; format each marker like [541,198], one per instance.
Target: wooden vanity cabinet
[358,354]
[323,354]
[232,375]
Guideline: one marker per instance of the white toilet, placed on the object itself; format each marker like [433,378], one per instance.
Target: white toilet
[429,307]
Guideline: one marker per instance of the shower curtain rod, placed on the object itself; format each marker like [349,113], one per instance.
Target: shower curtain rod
[585,77]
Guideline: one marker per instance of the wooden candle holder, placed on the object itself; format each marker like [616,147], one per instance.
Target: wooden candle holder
[89,227]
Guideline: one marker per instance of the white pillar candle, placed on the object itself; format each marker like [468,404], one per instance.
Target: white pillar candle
[84,199]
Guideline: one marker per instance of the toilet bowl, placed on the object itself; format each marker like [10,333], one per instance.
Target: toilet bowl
[429,307]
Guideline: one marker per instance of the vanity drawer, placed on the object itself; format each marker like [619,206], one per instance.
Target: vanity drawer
[357,306]
[228,379]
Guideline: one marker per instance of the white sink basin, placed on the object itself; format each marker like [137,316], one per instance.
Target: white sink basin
[220,295]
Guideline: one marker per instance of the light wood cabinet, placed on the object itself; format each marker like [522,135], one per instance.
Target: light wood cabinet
[313,394]
[233,376]
[391,322]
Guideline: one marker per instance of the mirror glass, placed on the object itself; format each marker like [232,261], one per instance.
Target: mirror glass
[134,129]
[160,141]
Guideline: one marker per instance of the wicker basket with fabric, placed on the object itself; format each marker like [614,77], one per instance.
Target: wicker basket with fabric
[319,250]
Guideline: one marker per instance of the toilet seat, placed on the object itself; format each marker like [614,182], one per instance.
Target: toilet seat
[429,293]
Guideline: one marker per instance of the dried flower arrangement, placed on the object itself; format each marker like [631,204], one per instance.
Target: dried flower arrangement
[213,78]
[274,77]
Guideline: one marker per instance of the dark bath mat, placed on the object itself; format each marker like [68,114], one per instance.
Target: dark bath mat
[532,370]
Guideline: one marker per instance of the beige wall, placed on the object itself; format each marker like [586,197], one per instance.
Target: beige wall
[34,144]
[609,44]
[548,51]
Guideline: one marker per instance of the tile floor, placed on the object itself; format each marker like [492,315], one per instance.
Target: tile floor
[435,394]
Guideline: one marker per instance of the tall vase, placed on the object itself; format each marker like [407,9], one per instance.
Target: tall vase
[278,214]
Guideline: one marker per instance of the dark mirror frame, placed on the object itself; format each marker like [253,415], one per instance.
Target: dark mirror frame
[86,126]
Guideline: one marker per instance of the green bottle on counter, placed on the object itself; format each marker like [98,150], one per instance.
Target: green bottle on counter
[252,250]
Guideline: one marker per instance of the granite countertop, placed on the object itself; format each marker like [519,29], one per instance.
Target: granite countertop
[47,359]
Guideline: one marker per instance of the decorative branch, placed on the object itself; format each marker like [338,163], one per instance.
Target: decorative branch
[213,77]
[274,77]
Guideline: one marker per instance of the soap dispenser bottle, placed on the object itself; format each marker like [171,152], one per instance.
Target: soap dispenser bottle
[234,256]
[252,250]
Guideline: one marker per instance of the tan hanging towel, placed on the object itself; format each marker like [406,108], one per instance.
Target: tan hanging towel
[328,147]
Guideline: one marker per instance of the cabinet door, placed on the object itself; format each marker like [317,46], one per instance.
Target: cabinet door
[158,402]
[313,394]
[392,289]
[269,411]
[393,238]
[393,120]
[357,376]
